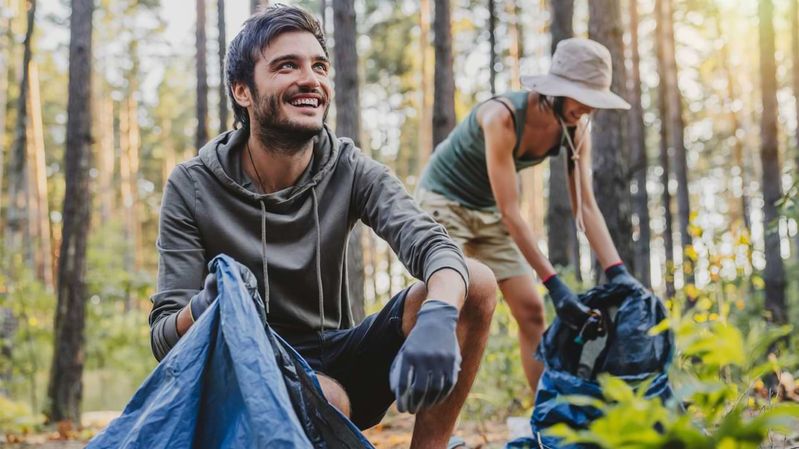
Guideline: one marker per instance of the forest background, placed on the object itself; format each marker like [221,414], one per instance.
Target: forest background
[100,100]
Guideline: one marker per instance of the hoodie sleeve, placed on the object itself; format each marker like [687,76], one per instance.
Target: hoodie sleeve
[181,263]
[383,204]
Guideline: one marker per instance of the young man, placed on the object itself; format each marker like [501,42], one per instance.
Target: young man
[281,195]
[470,185]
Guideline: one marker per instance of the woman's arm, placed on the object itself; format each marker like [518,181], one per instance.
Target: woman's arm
[500,138]
[596,230]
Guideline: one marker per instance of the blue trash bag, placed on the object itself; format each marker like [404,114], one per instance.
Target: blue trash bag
[629,353]
[231,382]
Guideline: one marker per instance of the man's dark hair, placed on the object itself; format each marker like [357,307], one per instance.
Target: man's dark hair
[258,31]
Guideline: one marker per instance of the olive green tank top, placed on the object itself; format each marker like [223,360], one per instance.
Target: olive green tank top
[457,168]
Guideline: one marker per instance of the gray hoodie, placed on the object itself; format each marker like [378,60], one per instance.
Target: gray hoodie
[296,238]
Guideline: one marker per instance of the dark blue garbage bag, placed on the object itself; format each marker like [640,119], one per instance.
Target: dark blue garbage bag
[231,382]
[628,352]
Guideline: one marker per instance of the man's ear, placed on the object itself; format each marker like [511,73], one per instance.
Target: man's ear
[242,95]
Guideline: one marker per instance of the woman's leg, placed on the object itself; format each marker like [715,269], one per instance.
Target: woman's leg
[527,308]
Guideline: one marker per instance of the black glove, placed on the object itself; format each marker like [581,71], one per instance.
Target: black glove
[572,312]
[618,274]
[426,368]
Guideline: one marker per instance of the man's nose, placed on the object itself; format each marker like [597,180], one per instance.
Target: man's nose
[308,77]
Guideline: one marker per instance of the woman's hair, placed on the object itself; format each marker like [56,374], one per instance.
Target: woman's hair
[551,103]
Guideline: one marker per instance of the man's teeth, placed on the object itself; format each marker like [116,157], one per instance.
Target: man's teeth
[306,102]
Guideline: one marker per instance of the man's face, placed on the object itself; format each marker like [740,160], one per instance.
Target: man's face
[573,110]
[292,86]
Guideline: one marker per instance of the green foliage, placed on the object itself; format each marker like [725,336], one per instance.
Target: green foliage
[17,417]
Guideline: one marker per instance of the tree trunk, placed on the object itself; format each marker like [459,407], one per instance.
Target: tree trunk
[16,209]
[202,78]
[638,158]
[663,110]
[66,387]
[561,231]
[323,15]
[40,219]
[105,158]
[348,124]
[515,49]
[6,44]
[444,84]
[677,135]
[774,274]
[609,133]
[492,41]
[425,139]
[222,44]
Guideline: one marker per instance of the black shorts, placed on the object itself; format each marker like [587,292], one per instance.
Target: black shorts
[359,358]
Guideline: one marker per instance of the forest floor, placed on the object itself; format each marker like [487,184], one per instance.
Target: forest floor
[393,433]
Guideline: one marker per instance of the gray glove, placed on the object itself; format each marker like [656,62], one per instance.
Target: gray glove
[205,297]
[426,368]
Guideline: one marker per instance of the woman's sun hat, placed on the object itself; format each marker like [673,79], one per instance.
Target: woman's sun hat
[581,69]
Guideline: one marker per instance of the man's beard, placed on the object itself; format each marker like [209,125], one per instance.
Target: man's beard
[277,132]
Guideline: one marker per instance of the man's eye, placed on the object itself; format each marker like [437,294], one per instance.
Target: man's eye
[288,65]
[321,67]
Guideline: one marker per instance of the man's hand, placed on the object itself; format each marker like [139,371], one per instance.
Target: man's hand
[618,274]
[203,299]
[572,312]
[426,368]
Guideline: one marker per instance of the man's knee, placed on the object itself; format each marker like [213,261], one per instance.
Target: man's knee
[482,296]
[335,394]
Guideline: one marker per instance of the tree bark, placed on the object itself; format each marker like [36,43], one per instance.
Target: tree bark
[221,44]
[40,218]
[515,49]
[444,83]
[774,273]
[677,135]
[562,240]
[609,133]
[105,158]
[66,387]
[202,78]
[638,158]
[16,210]
[425,138]
[663,111]
[348,124]
[6,44]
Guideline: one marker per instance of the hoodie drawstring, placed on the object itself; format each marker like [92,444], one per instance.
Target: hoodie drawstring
[263,256]
[318,261]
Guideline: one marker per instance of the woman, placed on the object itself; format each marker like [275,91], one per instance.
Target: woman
[470,186]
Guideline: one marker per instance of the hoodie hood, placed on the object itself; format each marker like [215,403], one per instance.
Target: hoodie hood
[222,156]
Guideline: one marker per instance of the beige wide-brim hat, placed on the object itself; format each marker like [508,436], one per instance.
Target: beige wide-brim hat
[581,69]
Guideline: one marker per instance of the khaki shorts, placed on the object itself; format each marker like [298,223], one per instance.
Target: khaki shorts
[480,234]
